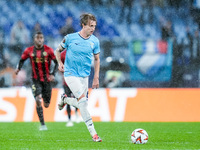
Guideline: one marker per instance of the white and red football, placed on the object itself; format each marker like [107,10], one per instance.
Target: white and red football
[139,136]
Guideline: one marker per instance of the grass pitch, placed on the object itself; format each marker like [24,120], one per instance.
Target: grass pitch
[115,135]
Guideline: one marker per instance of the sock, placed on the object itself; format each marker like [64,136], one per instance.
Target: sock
[71,101]
[40,114]
[86,116]
[76,112]
[69,112]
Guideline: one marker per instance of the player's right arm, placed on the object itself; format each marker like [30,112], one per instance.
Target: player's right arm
[58,57]
[24,56]
[19,66]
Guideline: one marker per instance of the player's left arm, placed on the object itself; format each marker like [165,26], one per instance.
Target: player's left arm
[52,74]
[95,83]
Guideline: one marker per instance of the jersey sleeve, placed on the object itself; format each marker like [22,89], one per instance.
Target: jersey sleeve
[64,42]
[51,53]
[25,54]
[96,47]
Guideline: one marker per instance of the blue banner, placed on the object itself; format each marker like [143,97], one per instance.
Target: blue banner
[150,60]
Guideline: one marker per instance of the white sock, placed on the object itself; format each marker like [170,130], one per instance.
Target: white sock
[71,101]
[86,116]
[76,113]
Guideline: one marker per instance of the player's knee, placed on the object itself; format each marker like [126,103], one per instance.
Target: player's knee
[38,100]
[83,102]
[83,95]
[46,105]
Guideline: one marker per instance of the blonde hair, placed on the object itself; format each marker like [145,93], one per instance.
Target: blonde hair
[84,18]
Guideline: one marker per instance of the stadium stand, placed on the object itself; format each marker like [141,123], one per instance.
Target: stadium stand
[145,23]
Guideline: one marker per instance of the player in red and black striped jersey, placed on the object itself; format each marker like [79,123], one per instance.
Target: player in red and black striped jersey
[69,94]
[40,56]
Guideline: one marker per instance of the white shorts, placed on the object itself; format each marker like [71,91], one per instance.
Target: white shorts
[78,85]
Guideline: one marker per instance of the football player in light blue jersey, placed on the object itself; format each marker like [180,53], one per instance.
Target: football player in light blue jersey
[79,54]
[81,48]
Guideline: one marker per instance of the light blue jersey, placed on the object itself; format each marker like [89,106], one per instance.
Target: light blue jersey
[79,54]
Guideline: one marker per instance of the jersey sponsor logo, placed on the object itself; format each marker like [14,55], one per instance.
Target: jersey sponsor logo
[41,60]
[45,53]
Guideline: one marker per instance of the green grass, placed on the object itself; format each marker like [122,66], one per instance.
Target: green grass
[115,135]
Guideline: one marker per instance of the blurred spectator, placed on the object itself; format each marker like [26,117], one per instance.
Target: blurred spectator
[142,15]
[19,37]
[113,79]
[96,2]
[2,44]
[189,44]
[146,12]
[40,2]
[175,3]
[159,3]
[177,65]
[68,27]
[150,6]
[112,83]
[7,77]
[167,30]
[36,28]
[196,48]
[192,46]
[110,2]
[126,4]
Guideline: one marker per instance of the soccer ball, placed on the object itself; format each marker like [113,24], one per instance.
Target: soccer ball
[139,136]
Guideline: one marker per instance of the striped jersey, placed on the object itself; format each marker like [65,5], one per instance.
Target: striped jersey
[40,60]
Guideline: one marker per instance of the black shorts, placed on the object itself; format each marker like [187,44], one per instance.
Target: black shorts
[68,92]
[43,88]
